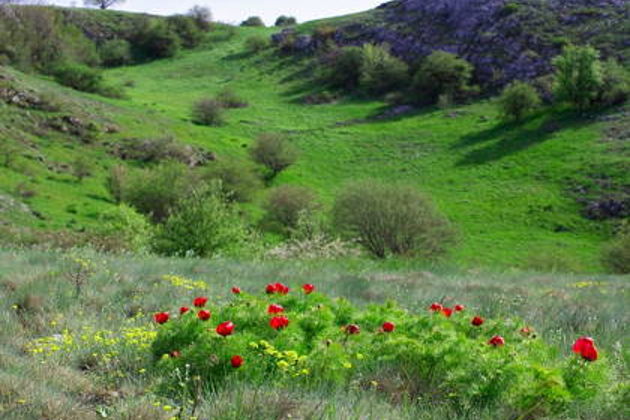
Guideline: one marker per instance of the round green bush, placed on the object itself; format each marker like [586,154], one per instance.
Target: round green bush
[517,100]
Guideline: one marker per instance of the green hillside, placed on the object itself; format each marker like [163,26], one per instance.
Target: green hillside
[509,190]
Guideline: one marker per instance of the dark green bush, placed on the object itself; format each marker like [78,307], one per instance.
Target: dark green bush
[186,29]
[390,219]
[517,100]
[381,72]
[155,150]
[208,112]
[79,77]
[442,73]
[286,203]
[115,52]
[286,21]
[239,181]
[578,76]
[274,152]
[341,68]
[257,43]
[616,255]
[615,87]
[131,228]
[203,224]
[202,16]
[155,39]
[253,21]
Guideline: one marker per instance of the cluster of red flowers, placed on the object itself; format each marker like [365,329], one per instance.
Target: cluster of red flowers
[438,307]
[279,288]
[279,322]
[585,347]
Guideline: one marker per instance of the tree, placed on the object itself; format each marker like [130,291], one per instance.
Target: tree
[253,21]
[274,152]
[202,16]
[442,73]
[578,77]
[381,72]
[517,100]
[286,21]
[102,4]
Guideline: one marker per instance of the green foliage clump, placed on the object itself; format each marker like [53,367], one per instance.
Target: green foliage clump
[187,30]
[253,21]
[257,43]
[330,344]
[202,17]
[287,203]
[615,88]
[390,219]
[517,100]
[286,21]
[203,224]
[616,255]
[208,111]
[341,68]
[274,152]
[156,39]
[239,181]
[381,72]
[128,227]
[79,77]
[578,76]
[442,73]
[116,52]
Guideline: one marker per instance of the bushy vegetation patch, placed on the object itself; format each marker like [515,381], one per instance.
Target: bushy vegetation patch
[208,111]
[517,100]
[617,253]
[442,73]
[286,204]
[274,152]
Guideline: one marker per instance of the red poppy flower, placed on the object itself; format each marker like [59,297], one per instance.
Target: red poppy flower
[477,321]
[585,346]
[204,315]
[275,309]
[353,329]
[308,289]
[236,290]
[282,288]
[459,308]
[175,354]
[590,354]
[161,317]
[279,322]
[388,327]
[497,341]
[436,307]
[183,310]
[200,302]
[237,361]
[447,312]
[226,328]
[270,289]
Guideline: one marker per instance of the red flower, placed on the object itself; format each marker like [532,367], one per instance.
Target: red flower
[175,354]
[270,289]
[353,329]
[436,307]
[585,346]
[275,309]
[308,289]
[459,308]
[282,289]
[236,290]
[183,310]
[279,322]
[389,327]
[226,328]
[237,361]
[497,341]
[477,321]
[204,315]
[200,302]
[161,317]
[447,312]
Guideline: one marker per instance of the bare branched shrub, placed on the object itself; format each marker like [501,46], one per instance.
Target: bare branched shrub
[208,112]
[274,152]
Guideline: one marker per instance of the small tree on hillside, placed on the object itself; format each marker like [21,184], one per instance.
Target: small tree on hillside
[578,76]
[274,152]
[102,4]
[202,16]
[517,100]
[286,21]
[442,73]
[253,21]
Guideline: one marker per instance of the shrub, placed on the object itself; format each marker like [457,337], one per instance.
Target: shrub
[82,168]
[186,29]
[156,39]
[204,225]
[239,182]
[341,68]
[155,192]
[578,76]
[253,21]
[230,99]
[257,43]
[274,152]
[286,21]
[286,203]
[390,219]
[202,17]
[616,255]
[517,100]
[115,52]
[615,87]
[79,77]
[442,73]
[131,228]
[208,112]
[160,149]
[381,72]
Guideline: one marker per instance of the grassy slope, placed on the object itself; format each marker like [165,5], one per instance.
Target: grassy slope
[35,282]
[505,188]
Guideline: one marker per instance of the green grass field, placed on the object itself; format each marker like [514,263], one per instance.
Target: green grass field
[38,301]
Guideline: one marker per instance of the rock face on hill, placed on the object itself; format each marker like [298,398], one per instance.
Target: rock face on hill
[505,40]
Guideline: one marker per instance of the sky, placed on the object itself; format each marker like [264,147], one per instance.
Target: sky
[235,11]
